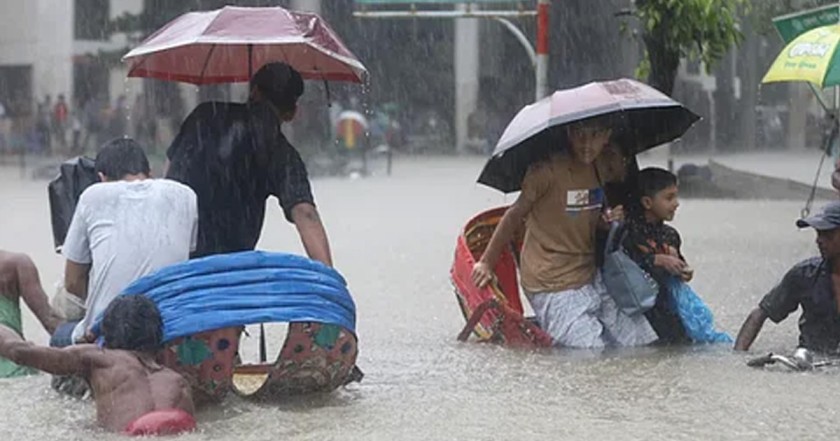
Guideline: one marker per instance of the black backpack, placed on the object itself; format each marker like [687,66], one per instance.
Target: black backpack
[74,176]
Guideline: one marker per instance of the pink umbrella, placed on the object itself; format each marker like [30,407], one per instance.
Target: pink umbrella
[229,44]
[641,116]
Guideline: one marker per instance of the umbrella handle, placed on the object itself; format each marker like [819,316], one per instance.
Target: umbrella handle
[250,61]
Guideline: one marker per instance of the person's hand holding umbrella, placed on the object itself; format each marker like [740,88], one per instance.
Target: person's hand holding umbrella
[610,215]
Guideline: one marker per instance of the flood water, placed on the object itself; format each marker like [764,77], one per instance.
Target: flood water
[393,238]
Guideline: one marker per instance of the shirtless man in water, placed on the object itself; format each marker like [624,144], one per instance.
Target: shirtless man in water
[130,388]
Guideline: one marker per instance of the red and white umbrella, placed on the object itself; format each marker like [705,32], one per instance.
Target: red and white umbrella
[228,45]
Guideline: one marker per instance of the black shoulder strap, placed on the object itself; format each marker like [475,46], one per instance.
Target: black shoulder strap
[600,182]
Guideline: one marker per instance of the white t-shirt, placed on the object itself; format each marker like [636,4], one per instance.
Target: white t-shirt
[126,230]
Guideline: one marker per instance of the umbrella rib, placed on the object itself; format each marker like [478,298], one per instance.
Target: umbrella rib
[206,62]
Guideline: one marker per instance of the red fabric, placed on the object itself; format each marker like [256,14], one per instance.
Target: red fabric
[162,422]
[356,126]
[60,112]
[543,11]
[212,47]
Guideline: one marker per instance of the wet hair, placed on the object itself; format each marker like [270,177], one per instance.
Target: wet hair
[652,180]
[120,157]
[133,323]
[280,84]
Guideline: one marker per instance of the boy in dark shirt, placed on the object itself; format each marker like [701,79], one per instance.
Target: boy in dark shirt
[655,246]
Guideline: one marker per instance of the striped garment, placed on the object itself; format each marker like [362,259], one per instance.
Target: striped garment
[587,317]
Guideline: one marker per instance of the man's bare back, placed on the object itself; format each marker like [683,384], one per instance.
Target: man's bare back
[127,383]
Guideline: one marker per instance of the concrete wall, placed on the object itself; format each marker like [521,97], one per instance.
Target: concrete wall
[307,5]
[37,33]
[118,82]
[17,35]
[467,44]
[53,73]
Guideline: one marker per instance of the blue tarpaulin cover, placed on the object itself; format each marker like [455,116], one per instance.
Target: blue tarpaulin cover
[244,288]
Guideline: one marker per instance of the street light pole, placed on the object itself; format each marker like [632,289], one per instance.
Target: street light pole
[543,9]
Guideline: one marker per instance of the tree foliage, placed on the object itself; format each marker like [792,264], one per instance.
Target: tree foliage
[674,29]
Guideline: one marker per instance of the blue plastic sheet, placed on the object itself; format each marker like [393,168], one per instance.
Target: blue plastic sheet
[696,317]
[245,288]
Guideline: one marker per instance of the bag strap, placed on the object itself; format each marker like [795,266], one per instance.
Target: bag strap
[614,226]
[600,182]
[614,239]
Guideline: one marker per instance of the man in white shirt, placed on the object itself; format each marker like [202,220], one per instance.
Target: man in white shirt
[123,228]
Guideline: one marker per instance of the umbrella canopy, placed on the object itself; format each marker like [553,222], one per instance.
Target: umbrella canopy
[811,57]
[228,45]
[641,118]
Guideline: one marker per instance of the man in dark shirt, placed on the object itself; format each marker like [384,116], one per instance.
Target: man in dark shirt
[813,284]
[234,156]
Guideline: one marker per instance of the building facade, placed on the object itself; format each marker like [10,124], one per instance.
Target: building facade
[46,47]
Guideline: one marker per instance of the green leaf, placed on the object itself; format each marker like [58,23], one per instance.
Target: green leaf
[701,29]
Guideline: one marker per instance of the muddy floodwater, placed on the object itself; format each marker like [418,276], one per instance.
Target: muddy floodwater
[393,238]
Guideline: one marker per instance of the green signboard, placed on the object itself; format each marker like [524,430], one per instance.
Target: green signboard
[792,25]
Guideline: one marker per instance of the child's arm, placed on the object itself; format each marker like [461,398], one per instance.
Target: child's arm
[648,258]
[74,360]
[512,220]
[672,264]
[643,253]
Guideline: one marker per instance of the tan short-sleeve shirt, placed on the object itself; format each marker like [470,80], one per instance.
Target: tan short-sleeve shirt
[567,199]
